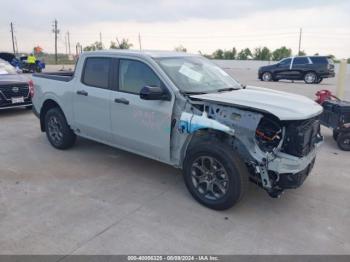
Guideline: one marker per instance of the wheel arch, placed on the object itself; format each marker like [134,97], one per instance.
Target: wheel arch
[47,105]
[200,135]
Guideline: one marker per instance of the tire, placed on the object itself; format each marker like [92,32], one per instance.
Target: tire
[319,80]
[266,77]
[310,78]
[29,107]
[57,129]
[216,164]
[335,134]
[343,141]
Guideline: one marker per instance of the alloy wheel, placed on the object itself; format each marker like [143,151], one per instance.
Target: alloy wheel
[55,129]
[209,178]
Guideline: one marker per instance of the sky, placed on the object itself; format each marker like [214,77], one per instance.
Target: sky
[198,25]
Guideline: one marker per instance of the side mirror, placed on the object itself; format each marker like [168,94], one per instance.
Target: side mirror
[153,93]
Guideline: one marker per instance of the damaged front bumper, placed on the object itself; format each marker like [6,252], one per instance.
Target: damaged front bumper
[285,171]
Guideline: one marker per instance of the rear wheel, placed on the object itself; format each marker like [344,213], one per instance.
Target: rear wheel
[57,129]
[214,174]
[267,76]
[310,78]
[343,141]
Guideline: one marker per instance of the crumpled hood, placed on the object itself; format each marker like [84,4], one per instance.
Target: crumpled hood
[285,106]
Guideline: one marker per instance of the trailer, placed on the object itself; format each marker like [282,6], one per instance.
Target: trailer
[336,115]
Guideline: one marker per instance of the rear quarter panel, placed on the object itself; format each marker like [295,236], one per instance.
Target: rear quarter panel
[58,91]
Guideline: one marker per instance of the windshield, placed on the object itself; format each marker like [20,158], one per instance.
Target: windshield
[6,68]
[196,75]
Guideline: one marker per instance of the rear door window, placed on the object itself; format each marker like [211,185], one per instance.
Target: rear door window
[96,72]
[300,61]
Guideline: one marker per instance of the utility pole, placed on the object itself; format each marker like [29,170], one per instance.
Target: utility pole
[56,32]
[68,35]
[16,45]
[65,44]
[300,32]
[140,41]
[101,38]
[13,41]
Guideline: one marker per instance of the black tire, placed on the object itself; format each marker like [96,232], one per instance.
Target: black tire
[343,141]
[57,129]
[310,78]
[236,175]
[266,77]
[319,80]
[29,107]
[335,134]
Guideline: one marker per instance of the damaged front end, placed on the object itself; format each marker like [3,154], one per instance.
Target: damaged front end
[278,154]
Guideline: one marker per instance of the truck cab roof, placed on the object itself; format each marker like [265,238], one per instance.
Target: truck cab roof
[137,53]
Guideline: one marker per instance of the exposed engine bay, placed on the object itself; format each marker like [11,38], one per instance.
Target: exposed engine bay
[278,154]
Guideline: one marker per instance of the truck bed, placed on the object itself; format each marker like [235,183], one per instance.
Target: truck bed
[64,76]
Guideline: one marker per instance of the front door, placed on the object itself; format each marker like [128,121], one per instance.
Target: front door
[92,98]
[283,69]
[141,126]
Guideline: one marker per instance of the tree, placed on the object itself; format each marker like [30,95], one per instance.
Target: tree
[262,53]
[302,53]
[180,48]
[218,54]
[230,54]
[123,44]
[281,53]
[93,47]
[244,54]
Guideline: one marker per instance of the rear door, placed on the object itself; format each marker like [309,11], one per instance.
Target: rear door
[92,98]
[300,66]
[141,126]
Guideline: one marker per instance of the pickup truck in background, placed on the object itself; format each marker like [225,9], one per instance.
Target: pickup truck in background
[183,110]
[311,69]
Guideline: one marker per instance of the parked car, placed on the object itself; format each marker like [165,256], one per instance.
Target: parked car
[185,111]
[21,63]
[15,90]
[311,69]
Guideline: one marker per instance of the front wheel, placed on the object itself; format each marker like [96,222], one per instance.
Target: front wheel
[214,174]
[343,141]
[310,78]
[57,129]
[319,80]
[267,76]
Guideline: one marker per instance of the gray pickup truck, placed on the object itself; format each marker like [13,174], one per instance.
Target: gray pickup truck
[185,111]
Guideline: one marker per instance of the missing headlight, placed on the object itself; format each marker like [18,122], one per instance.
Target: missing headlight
[268,134]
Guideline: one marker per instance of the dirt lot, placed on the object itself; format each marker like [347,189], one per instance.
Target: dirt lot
[94,199]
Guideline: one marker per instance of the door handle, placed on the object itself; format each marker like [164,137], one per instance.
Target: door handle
[121,101]
[82,93]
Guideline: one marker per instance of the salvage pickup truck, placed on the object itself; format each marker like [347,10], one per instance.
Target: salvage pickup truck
[183,110]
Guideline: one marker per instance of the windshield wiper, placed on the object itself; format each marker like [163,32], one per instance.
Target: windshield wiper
[227,89]
[193,93]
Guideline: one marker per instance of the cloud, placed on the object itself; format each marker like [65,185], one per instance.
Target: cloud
[40,13]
